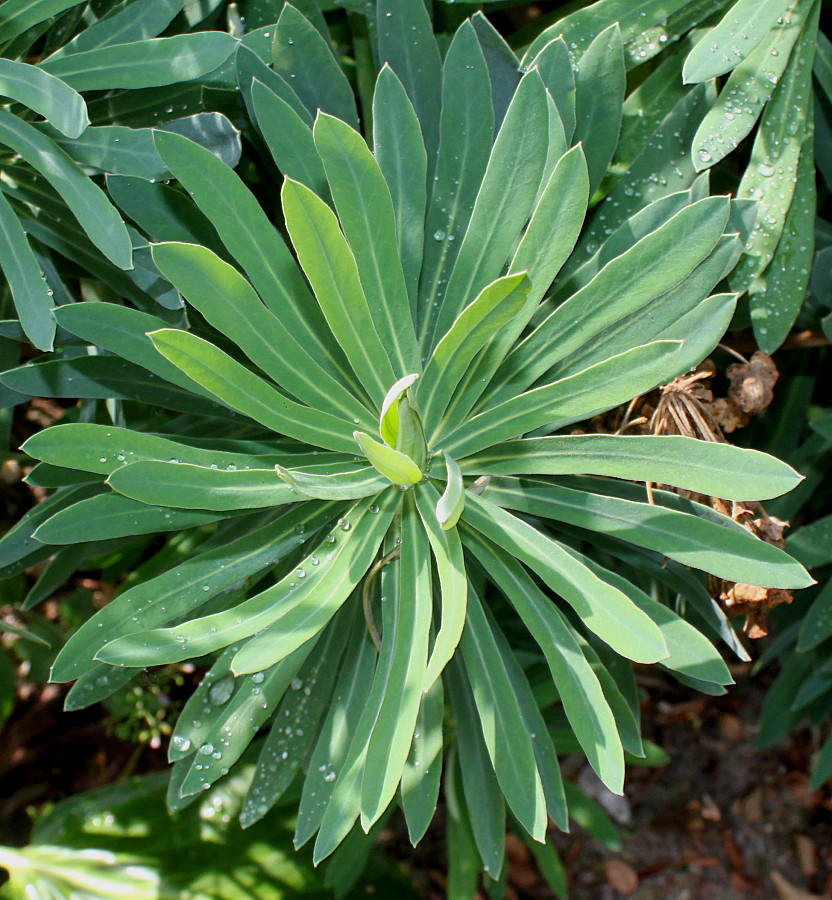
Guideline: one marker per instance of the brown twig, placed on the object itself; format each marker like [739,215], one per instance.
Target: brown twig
[366,597]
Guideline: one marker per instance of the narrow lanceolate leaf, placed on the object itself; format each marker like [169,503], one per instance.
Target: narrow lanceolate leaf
[31,294]
[602,608]
[748,89]
[288,138]
[474,328]
[453,583]
[729,553]
[90,206]
[17,16]
[406,42]
[184,588]
[306,60]
[251,66]
[294,727]
[691,653]
[646,106]
[144,64]
[254,242]
[452,502]
[663,166]
[105,448]
[545,754]
[555,66]
[580,692]
[393,465]
[48,96]
[343,801]
[392,734]
[776,297]
[743,27]
[504,201]
[624,236]
[580,396]
[423,769]
[504,69]
[242,390]
[18,547]
[652,266]
[581,26]
[486,808]
[305,603]
[105,377]
[349,484]
[331,268]
[119,150]
[231,305]
[365,210]
[466,133]
[113,148]
[236,722]
[123,331]
[503,728]
[560,211]
[194,487]
[124,23]
[399,149]
[165,213]
[110,516]
[326,764]
[719,470]
[771,175]
[600,85]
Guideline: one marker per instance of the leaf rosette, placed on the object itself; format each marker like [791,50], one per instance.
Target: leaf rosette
[377,507]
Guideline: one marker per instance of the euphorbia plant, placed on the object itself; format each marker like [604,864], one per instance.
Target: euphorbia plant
[397,524]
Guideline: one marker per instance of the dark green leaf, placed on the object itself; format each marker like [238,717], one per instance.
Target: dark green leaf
[600,82]
[32,295]
[306,60]
[87,201]
[400,152]
[46,95]
[144,64]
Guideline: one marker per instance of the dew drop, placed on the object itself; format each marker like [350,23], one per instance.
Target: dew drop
[221,692]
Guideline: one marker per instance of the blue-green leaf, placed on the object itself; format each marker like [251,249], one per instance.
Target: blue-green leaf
[46,95]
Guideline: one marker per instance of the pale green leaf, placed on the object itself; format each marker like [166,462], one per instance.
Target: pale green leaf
[392,464]
[330,265]
[715,469]
[453,585]
[727,552]
[239,388]
[602,608]
[733,38]
[365,210]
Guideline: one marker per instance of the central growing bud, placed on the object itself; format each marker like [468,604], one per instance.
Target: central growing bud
[402,457]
